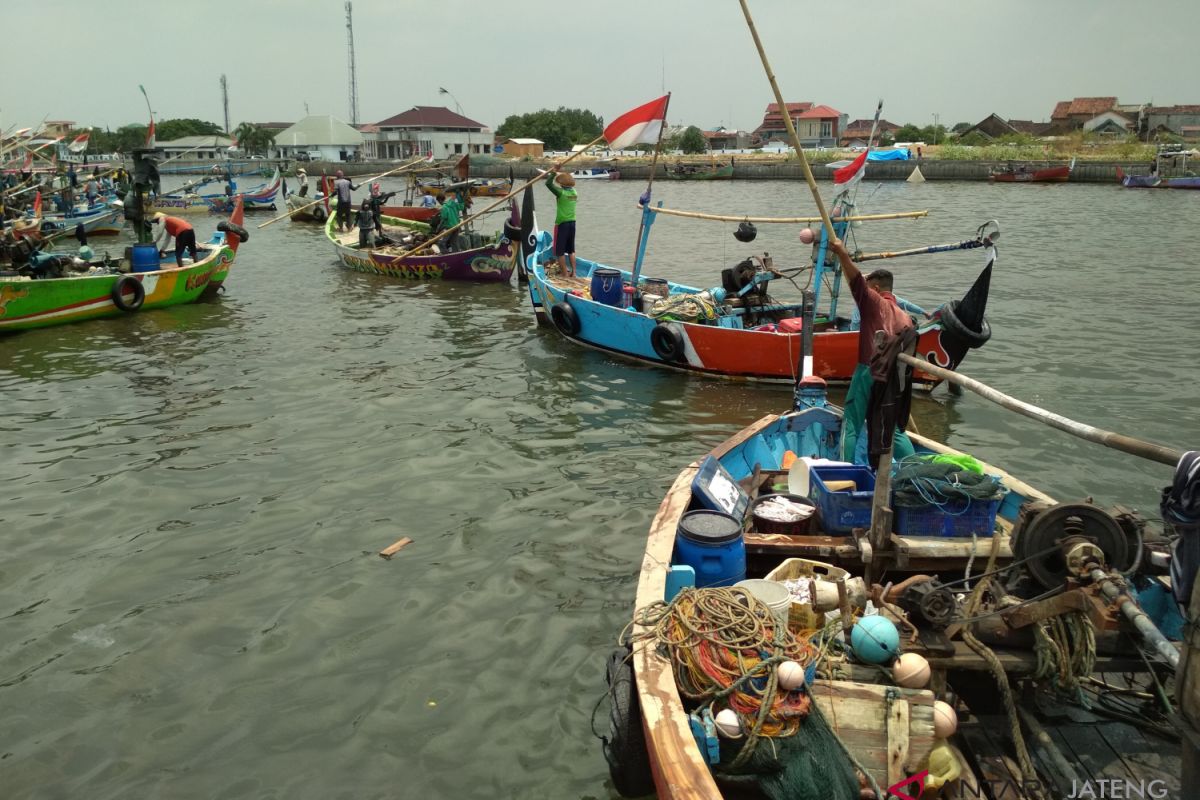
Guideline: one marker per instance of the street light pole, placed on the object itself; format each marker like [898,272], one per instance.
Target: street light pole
[458,107]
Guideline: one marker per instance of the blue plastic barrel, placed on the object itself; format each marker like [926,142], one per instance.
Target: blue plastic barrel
[606,286]
[710,542]
[145,258]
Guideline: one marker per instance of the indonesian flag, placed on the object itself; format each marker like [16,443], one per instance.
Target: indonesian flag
[852,173]
[80,144]
[642,124]
[232,145]
[37,205]
[151,141]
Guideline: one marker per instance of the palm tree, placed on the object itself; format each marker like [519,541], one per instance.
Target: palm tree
[253,139]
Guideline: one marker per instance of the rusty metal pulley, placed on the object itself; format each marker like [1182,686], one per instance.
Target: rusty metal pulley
[1081,523]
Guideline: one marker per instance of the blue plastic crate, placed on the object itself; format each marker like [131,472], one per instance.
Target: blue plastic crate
[977,518]
[842,512]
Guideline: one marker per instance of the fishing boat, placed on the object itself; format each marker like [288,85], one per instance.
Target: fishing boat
[484,258]
[698,172]
[1155,181]
[857,658]
[596,173]
[305,209]
[113,290]
[99,221]
[736,330]
[261,197]
[1023,174]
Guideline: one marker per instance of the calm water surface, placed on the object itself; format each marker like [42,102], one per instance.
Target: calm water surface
[191,499]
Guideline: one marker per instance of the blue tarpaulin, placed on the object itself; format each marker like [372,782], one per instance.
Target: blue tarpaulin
[888,155]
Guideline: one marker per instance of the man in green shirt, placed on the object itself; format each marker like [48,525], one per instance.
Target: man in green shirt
[562,186]
[449,216]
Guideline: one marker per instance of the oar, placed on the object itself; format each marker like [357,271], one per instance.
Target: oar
[506,197]
[320,199]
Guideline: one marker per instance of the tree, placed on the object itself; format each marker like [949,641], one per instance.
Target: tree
[973,139]
[253,139]
[171,129]
[693,141]
[886,139]
[959,127]
[933,134]
[558,129]
[908,133]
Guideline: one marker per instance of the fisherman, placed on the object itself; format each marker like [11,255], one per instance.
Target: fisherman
[342,187]
[879,312]
[184,233]
[428,200]
[449,217]
[72,178]
[92,190]
[302,179]
[365,221]
[562,186]
[881,281]
[378,198]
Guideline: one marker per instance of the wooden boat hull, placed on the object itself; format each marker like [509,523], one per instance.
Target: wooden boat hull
[678,768]
[259,198]
[718,174]
[1155,182]
[412,213]
[100,222]
[493,263]
[1049,175]
[57,301]
[710,349]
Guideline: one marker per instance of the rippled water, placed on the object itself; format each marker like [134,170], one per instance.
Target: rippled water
[190,601]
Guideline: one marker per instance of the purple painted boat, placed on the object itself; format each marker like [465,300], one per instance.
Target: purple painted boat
[492,260]
[1156,182]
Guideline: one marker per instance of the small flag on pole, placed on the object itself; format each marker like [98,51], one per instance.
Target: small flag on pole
[151,141]
[80,144]
[850,174]
[641,125]
[37,205]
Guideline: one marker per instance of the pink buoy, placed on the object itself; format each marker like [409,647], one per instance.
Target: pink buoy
[807,236]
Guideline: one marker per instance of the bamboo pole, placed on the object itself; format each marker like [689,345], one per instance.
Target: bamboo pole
[508,196]
[288,213]
[787,123]
[787,220]
[1117,441]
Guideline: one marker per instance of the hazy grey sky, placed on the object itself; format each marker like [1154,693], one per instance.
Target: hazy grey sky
[83,59]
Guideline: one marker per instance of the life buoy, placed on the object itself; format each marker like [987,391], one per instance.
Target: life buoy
[233,227]
[955,327]
[124,284]
[625,745]
[667,342]
[565,318]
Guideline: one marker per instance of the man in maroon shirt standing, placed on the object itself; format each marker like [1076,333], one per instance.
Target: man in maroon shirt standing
[879,313]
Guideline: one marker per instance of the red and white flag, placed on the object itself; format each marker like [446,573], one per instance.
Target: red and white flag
[37,205]
[80,144]
[232,145]
[151,140]
[642,124]
[852,173]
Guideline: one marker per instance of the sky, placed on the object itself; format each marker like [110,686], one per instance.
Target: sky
[957,59]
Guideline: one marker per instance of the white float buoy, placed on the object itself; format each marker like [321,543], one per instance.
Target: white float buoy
[728,724]
[791,675]
[945,720]
[911,671]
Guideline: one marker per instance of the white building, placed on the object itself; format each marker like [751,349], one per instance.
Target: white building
[430,129]
[320,134]
[197,148]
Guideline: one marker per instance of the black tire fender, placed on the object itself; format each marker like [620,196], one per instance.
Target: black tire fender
[565,318]
[955,327]
[319,213]
[625,745]
[512,233]
[233,227]
[127,283]
[667,342]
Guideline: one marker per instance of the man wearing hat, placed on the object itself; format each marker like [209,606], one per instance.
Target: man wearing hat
[181,230]
[302,178]
[562,186]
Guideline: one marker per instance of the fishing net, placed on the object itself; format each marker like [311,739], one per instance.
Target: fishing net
[684,308]
[925,480]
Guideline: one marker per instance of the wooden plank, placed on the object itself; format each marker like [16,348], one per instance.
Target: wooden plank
[394,548]
[937,547]
[897,735]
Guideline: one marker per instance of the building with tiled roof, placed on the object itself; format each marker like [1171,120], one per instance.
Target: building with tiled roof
[430,129]
[857,132]
[1071,114]
[1180,120]
[816,125]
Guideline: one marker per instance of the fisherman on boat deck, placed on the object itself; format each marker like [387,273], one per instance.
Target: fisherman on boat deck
[879,312]
[378,198]
[181,230]
[449,216]
[302,179]
[342,187]
[562,186]
[428,200]
[72,178]
[881,280]
[364,221]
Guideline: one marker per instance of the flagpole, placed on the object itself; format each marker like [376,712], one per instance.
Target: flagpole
[508,196]
[871,139]
[644,200]
[787,122]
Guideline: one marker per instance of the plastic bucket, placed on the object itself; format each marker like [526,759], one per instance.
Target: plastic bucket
[710,542]
[764,524]
[656,286]
[774,596]
[144,258]
[606,286]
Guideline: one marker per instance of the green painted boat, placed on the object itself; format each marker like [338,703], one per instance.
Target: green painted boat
[41,303]
[691,172]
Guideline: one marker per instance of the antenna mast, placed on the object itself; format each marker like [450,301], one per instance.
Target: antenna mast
[350,53]
[225,101]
